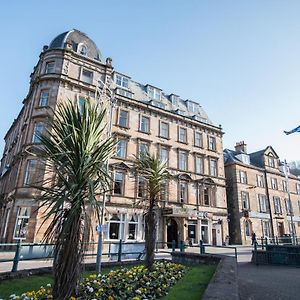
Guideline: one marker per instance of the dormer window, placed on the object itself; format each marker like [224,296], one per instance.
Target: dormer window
[153,92]
[122,81]
[82,49]
[174,99]
[192,106]
[271,162]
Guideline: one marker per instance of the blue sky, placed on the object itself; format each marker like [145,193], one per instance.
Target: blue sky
[239,59]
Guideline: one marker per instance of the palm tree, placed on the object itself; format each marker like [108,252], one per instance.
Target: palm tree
[154,173]
[75,150]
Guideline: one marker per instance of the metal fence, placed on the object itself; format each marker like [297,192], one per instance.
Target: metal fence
[277,251]
[112,251]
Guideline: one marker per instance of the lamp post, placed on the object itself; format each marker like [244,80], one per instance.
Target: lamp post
[289,201]
[104,198]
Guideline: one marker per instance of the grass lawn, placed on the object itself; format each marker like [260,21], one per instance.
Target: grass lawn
[21,285]
[193,284]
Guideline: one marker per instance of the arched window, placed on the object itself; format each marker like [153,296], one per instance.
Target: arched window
[82,49]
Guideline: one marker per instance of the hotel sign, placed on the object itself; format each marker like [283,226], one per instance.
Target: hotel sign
[185,212]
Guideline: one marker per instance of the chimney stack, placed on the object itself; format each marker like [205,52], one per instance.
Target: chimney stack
[241,147]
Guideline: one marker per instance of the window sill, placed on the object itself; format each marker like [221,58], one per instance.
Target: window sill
[185,143]
[145,132]
[123,127]
[163,137]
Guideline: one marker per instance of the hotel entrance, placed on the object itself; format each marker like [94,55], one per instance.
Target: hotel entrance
[172,232]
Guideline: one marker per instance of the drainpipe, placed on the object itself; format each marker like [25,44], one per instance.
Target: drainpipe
[269,203]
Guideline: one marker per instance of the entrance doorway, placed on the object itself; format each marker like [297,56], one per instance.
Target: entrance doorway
[280,229]
[172,233]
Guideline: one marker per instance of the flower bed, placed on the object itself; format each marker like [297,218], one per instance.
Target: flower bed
[134,283]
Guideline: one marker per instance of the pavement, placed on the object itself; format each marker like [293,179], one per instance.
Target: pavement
[255,282]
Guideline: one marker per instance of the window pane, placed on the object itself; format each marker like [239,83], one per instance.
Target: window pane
[121,148]
[145,122]
[38,131]
[123,118]
[87,76]
[164,129]
[50,67]
[118,183]
[44,98]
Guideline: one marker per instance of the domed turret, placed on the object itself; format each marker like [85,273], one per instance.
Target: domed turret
[79,43]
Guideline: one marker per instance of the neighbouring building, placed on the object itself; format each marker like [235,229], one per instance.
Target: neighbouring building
[193,203]
[259,196]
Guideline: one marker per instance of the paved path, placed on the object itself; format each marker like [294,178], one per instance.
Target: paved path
[268,282]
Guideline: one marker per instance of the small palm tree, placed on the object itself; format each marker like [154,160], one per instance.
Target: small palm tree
[154,173]
[75,150]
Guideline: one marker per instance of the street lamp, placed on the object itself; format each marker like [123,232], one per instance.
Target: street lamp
[101,95]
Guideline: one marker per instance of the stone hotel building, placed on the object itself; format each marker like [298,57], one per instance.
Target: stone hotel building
[192,204]
[259,197]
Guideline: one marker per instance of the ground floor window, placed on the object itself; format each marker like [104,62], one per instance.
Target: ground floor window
[116,227]
[247,228]
[266,228]
[132,228]
[192,229]
[21,227]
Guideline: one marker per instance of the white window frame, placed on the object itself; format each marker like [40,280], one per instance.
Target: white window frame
[164,131]
[262,202]
[123,149]
[38,130]
[199,164]
[154,93]
[182,160]
[135,222]
[245,200]
[164,158]
[145,124]
[260,180]
[198,139]
[122,118]
[212,144]
[122,183]
[182,135]
[143,148]
[31,168]
[44,98]
[213,167]
[121,80]
[183,193]
[277,205]
[121,223]
[243,177]
[21,218]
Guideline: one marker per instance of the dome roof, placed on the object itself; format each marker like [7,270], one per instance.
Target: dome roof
[80,43]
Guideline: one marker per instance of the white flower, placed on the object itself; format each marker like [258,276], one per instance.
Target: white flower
[12,296]
[90,289]
[49,285]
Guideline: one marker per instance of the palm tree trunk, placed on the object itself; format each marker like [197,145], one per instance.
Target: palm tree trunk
[150,237]
[67,263]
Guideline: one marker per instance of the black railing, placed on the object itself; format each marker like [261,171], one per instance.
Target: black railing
[114,251]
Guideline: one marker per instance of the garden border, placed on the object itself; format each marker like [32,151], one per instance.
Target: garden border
[224,283]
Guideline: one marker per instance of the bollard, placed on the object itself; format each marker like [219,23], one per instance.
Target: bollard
[173,245]
[266,240]
[262,244]
[120,251]
[181,246]
[17,257]
[202,248]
